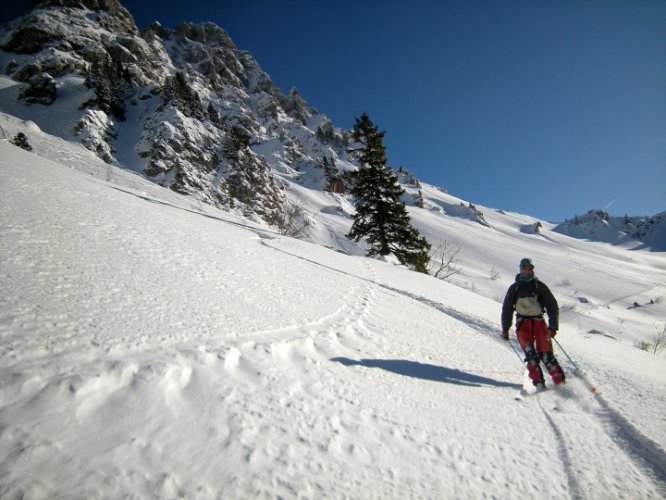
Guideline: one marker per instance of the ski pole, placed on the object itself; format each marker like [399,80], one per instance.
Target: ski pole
[515,352]
[566,354]
[590,386]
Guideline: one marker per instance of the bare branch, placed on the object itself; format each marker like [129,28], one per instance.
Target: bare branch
[445,257]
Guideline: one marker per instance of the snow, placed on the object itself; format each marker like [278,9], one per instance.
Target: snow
[152,347]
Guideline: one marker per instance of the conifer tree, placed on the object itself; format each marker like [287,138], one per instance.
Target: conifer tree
[381,218]
[111,83]
[236,141]
[177,92]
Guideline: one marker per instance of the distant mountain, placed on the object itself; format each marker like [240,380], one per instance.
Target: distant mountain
[636,232]
[190,111]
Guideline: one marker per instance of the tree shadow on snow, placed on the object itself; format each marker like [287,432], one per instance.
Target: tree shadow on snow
[427,372]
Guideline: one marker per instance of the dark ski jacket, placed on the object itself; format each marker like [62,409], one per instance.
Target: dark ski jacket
[531,298]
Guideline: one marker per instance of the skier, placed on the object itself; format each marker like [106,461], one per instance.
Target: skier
[529,297]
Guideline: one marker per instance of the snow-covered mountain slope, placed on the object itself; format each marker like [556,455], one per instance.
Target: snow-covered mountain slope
[486,253]
[155,347]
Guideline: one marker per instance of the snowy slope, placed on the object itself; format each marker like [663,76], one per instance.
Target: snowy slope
[153,347]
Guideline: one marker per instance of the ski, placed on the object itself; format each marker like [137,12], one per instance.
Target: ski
[529,393]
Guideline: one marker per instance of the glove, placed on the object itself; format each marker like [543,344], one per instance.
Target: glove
[552,333]
[505,335]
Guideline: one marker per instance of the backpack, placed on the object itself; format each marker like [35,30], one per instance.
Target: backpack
[529,306]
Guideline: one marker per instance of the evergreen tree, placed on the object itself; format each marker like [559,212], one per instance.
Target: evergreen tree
[111,83]
[213,115]
[381,218]
[235,142]
[177,92]
[335,183]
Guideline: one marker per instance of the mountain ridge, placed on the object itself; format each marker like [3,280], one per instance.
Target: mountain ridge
[168,102]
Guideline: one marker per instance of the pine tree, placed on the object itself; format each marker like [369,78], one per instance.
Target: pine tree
[335,183]
[236,141]
[177,92]
[111,83]
[213,115]
[381,218]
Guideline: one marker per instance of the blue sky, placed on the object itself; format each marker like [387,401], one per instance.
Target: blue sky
[549,108]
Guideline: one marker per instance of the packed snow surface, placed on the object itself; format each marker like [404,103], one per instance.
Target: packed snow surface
[151,347]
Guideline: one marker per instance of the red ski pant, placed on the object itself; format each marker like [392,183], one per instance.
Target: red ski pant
[535,340]
[534,331]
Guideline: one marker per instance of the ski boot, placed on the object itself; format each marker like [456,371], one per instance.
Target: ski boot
[533,367]
[554,369]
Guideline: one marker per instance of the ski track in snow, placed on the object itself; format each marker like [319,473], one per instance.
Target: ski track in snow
[630,443]
[565,458]
[572,406]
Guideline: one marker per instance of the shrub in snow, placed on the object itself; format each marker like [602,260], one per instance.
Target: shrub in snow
[41,89]
[21,141]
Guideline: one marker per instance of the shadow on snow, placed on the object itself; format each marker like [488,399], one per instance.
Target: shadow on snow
[427,372]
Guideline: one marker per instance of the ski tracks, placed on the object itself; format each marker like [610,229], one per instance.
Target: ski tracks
[646,454]
[203,387]
[633,462]
[638,460]
[610,458]
[313,427]
[310,422]
[636,464]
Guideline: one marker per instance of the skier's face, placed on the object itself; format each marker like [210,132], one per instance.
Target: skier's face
[526,270]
